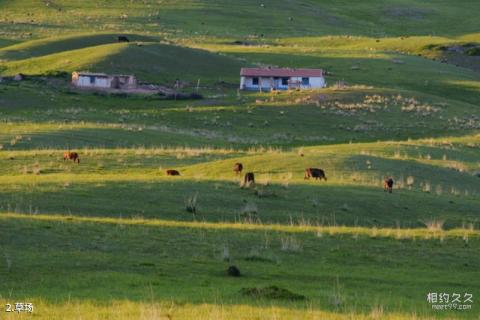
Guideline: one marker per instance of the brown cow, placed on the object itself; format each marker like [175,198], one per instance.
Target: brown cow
[171,172]
[237,168]
[388,184]
[248,179]
[71,156]
[315,173]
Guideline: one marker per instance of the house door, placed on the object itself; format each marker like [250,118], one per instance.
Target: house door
[115,83]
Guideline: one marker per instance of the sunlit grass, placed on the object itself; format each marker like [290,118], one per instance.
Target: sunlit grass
[68,61]
[115,238]
[295,227]
[164,310]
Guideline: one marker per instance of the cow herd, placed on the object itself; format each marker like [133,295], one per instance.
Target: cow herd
[316,173]
[249,177]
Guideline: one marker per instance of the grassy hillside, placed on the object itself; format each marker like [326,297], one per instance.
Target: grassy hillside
[232,18]
[42,47]
[114,237]
[116,259]
[149,61]
[127,143]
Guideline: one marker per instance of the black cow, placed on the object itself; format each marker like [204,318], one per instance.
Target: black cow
[315,173]
[171,172]
[388,184]
[122,39]
[248,179]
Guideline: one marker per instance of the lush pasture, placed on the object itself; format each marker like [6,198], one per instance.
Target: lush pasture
[112,237]
[433,182]
[269,18]
[127,143]
[172,268]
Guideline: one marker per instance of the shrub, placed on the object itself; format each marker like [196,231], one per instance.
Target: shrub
[226,254]
[264,193]
[119,94]
[249,212]
[433,224]
[233,271]
[191,203]
[57,74]
[473,51]
[184,96]
[291,244]
[249,208]
[271,292]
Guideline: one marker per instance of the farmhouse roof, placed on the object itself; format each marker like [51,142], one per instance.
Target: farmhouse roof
[98,74]
[280,72]
[91,74]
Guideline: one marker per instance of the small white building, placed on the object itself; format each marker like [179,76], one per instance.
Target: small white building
[103,81]
[281,79]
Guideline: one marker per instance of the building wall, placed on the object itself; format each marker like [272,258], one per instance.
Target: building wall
[317,82]
[124,82]
[100,82]
[247,83]
[266,83]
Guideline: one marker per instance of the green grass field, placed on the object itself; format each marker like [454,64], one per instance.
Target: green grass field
[111,237]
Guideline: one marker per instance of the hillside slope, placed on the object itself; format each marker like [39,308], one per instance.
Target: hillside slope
[150,61]
[269,18]
[113,236]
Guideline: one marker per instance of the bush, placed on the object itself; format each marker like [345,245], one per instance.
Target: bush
[473,51]
[271,292]
[57,74]
[184,96]
[191,203]
[119,94]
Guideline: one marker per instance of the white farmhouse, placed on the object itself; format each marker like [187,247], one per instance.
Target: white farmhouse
[281,79]
[103,81]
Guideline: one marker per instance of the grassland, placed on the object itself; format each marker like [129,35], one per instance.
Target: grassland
[109,254]
[111,238]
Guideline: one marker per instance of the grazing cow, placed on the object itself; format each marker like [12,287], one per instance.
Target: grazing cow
[237,168]
[248,179]
[388,184]
[122,39]
[172,173]
[71,156]
[315,173]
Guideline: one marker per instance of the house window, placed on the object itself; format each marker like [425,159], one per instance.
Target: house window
[255,81]
[92,80]
[305,81]
[284,81]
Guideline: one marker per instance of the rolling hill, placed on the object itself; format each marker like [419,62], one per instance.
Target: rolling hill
[114,237]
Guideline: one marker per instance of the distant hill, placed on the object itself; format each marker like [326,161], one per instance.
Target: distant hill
[150,61]
[230,18]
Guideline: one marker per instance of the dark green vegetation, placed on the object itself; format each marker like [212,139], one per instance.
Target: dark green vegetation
[115,235]
[186,18]
[187,265]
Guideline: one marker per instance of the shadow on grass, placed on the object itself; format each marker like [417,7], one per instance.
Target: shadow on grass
[102,263]
[219,201]
[412,174]
[37,48]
